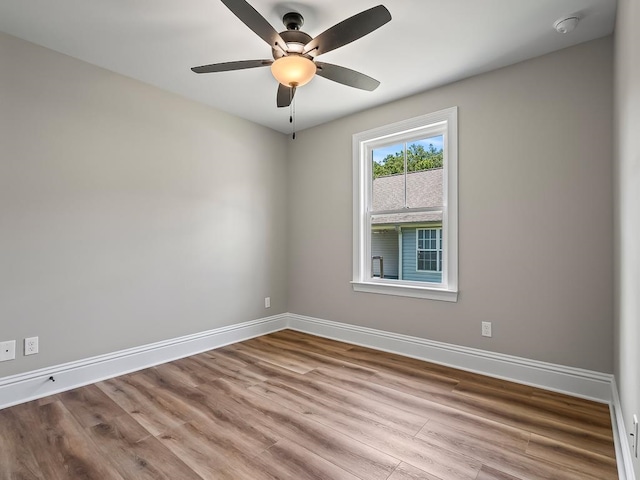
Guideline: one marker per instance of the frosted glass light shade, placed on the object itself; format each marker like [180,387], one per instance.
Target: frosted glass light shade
[293,70]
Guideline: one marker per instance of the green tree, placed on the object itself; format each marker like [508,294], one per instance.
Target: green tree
[390,165]
[418,159]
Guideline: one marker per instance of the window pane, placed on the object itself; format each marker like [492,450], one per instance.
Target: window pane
[385,251]
[424,172]
[402,249]
[388,178]
[427,260]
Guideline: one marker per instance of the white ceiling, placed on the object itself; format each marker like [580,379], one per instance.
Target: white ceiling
[427,43]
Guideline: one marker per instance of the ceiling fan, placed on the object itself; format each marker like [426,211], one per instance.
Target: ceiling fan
[294,51]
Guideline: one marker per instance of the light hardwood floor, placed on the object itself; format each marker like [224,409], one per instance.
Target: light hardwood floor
[293,406]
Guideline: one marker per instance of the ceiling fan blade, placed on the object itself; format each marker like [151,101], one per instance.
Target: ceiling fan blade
[348,30]
[285,95]
[228,66]
[346,76]
[256,22]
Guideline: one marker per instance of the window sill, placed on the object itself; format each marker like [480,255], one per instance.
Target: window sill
[407,291]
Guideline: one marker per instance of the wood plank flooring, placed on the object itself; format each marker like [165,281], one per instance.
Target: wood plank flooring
[293,406]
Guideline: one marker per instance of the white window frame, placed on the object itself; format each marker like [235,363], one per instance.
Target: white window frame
[443,122]
[438,249]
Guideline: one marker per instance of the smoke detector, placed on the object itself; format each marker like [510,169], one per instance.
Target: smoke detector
[566,25]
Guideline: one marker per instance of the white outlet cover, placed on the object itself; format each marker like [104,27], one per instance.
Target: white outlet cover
[635,436]
[486,329]
[7,350]
[267,302]
[31,345]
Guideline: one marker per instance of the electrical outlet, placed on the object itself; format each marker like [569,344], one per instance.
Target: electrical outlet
[31,345]
[267,302]
[7,350]
[634,437]
[486,329]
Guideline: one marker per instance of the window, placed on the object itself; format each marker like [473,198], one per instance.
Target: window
[429,249]
[405,208]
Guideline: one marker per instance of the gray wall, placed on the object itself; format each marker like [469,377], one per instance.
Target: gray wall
[128,215]
[535,194]
[627,209]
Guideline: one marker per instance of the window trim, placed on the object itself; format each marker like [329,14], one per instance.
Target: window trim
[399,131]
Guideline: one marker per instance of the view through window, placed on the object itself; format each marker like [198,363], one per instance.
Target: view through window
[406,231]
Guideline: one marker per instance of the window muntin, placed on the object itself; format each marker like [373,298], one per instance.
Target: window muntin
[407,209]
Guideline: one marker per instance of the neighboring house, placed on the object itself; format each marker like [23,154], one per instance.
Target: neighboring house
[409,244]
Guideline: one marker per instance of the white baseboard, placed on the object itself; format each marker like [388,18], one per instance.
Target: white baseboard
[36,384]
[620,437]
[558,378]
[573,381]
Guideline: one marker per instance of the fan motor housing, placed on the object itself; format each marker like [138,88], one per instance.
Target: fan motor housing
[296,40]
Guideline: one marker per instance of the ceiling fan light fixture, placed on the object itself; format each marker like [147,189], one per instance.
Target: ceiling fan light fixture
[293,70]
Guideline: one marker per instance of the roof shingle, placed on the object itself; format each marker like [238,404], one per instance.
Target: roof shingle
[424,189]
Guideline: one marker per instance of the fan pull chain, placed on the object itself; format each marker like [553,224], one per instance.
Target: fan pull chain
[292,112]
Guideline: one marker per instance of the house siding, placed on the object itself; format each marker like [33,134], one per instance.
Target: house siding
[410,260]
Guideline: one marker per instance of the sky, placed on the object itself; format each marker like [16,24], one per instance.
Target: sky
[380,153]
